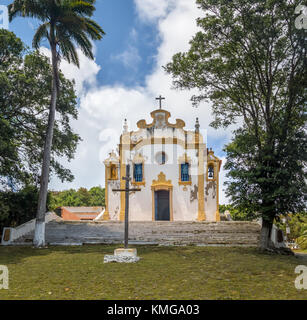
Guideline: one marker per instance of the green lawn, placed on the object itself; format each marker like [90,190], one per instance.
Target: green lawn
[301,251]
[162,273]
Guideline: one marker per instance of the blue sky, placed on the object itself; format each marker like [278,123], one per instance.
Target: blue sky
[126,76]
[120,22]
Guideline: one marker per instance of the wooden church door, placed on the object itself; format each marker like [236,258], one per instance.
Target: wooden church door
[162,208]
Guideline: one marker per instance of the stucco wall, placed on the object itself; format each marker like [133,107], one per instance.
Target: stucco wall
[146,144]
[210,200]
[114,199]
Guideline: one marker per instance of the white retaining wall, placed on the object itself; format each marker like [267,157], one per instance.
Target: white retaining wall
[25,228]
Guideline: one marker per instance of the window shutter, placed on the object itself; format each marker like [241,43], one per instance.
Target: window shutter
[185,172]
[138,172]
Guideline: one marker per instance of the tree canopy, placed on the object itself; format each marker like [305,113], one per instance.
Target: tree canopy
[25,81]
[18,207]
[94,197]
[249,60]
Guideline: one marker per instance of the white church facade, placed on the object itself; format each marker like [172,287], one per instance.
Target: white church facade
[176,172]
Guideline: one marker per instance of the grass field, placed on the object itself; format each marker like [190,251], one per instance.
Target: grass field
[162,273]
[301,251]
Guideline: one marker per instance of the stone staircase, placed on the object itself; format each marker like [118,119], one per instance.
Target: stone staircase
[226,233]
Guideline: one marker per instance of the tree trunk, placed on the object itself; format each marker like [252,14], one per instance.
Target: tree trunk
[265,241]
[39,235]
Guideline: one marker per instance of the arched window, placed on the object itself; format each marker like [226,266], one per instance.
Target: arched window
[138,172]
[210,172]
[185,172]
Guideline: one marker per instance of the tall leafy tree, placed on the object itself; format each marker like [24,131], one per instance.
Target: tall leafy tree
[249,60]
[97,196]
[66,24]
[11,49]
[25,81]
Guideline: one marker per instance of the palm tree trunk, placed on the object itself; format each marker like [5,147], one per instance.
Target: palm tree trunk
[39,235]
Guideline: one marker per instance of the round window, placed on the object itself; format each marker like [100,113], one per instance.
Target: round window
[161,157]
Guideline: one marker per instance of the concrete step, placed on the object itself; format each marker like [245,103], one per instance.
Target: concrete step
[156,232]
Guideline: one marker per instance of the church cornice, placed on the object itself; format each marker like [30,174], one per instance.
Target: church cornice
[169,140]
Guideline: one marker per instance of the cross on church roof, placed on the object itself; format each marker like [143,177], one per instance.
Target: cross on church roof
[160,98]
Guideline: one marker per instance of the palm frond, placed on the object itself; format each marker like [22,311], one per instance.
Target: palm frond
[84,44]
[94,29]
[66,23]
[69,52]
[41,32]
[83,8]
[28,8]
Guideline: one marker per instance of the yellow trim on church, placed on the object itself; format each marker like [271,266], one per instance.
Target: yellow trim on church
[216,163]
[111,173]
[162,184]
[137,159]
[189,140]
[124,147]
[180,124]
[184,159]
[106,215]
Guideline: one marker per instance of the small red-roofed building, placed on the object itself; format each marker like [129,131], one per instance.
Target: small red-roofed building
[80,213]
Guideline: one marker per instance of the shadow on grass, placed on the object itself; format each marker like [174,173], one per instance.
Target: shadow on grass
[15,254]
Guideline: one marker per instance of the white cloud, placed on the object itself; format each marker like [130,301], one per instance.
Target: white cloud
[130,58]
[103,109]
[133,35]
[153,9]
[85,75]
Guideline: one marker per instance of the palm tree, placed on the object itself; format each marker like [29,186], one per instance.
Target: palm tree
[66,24]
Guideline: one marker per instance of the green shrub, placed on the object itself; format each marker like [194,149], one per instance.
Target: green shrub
[298,228]
[18,207]
[302,240]
[95,197]
[237,214]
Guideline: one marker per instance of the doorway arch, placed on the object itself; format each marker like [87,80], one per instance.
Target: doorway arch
[160,185]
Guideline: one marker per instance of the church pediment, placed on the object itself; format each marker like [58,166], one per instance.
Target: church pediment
[160,121]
